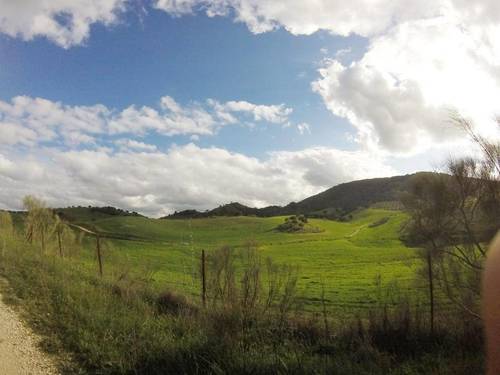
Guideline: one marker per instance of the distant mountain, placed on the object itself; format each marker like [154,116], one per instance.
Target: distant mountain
[335,202]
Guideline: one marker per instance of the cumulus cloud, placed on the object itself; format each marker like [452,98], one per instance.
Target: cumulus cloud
[276,114]
[170,119]
[363,17]
[68,22]
[400,94]
[28,121]
[12,134]
[157,183]
[130,144]
[387,113]
[65,22]
[322,167]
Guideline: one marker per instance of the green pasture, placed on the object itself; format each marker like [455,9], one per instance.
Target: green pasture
[351,264]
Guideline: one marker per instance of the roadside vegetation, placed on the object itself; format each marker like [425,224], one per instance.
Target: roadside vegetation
[251,321]
[131,295]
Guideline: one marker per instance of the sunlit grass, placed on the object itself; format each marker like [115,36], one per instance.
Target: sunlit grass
[345,259]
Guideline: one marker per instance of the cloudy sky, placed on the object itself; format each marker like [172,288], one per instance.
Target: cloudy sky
[162,105]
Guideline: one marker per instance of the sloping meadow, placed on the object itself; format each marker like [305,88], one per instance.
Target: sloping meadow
[338,301]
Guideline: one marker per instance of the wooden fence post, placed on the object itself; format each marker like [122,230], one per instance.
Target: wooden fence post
[431,288]
[97,242]
[98,248]
[203,280]
[59,242]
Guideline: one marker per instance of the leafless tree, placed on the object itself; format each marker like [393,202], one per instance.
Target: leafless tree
[454,216]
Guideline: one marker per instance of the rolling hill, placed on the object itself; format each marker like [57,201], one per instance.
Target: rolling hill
[336,202]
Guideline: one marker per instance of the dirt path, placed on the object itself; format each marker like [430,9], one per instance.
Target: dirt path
[356,231]
[19,353]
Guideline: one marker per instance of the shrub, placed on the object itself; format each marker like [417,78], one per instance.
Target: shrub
[292,224]
[170,302]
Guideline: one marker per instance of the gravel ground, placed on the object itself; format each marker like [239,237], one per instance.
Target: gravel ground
[19,351]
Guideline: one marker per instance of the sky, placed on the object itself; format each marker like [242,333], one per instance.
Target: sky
[163,105]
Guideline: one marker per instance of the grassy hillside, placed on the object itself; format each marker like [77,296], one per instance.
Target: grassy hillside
[335,202]
[346,259]
[88,214]
[349,196]
[126,322]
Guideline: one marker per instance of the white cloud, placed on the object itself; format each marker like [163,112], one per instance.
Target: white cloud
[176,7]
[304,128]
[170,119]
[12,134]
[367,18]
[387,114]
[322,167]
[188,176]
[130,144]
[399,95]
[65,22]
[26,121]
[363,17]
[277,114]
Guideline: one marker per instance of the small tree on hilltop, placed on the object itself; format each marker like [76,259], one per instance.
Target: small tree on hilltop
[293,224]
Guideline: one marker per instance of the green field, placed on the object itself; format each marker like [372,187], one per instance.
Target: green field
[351,261]
[137,319]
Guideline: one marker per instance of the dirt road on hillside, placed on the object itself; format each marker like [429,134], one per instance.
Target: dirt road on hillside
[19,352]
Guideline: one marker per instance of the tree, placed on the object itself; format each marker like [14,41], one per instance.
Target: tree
[491,307]
[454,217]
[39,221]
[429,203]
[477,206]
[293,224]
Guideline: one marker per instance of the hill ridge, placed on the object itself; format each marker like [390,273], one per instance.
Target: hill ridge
[335,202]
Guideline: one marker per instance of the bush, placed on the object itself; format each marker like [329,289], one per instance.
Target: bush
[169,302]
[293,224]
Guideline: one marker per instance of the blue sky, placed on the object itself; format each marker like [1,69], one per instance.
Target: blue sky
[190,59]
[161,105]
